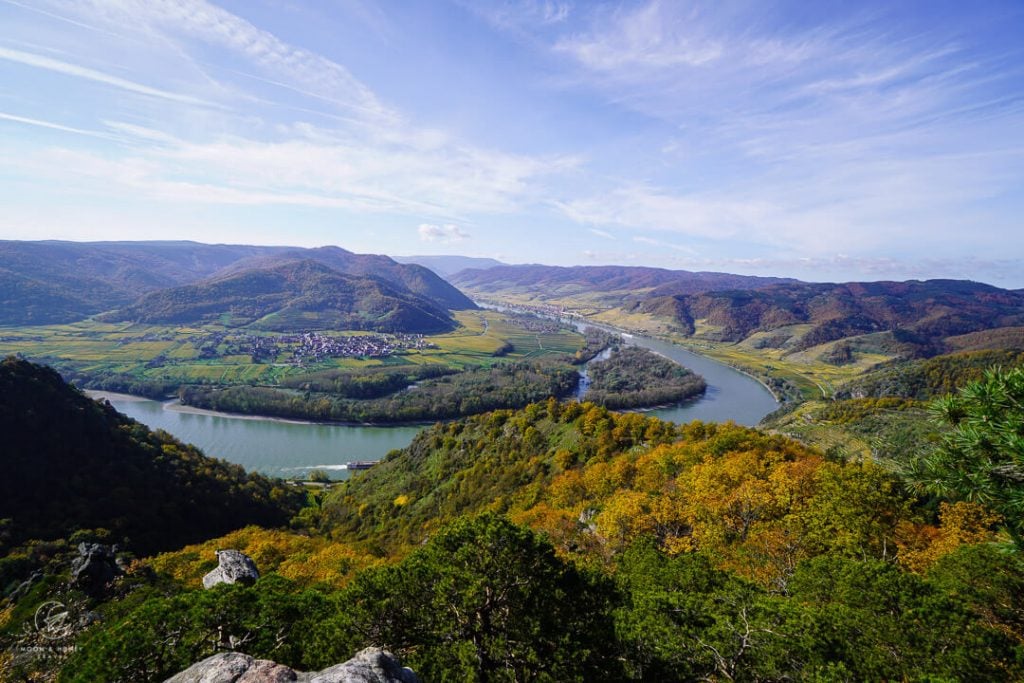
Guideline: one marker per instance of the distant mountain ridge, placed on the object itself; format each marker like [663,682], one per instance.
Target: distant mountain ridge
[414,277]
[54,282]
[283,295]
[603,280]
[918,316]
[448,265]
[50,282]
[923,311]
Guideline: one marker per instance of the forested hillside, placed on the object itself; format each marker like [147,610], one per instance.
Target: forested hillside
[70,463]
[805,340]
[609,284]
[407,276]
[594,480]
[930,378]
[291,295]
[567,542]
[54,282]
[49,282]
[923,313]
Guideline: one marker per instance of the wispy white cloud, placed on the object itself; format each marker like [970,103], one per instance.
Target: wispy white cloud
[858,207]
[196,20]
[653,36]
[311,167]
[737,130]
[644,207]
[141,133]
[56,126]
[447,233]
[662,244]
[521,14]
[366,158]
[842,267]
[706,69]
[54,15]
[43,62]
[850,135]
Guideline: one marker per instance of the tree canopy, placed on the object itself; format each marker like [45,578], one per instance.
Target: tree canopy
[982,458]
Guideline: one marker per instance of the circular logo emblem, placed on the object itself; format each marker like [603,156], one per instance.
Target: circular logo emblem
[53,620]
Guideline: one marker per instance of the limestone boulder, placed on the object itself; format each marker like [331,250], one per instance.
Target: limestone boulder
[371,665]
[234,566]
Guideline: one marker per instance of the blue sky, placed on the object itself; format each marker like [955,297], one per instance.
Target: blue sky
[826,140]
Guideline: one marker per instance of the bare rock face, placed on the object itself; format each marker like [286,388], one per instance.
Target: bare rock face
[371,665]
[94,567]
[235,567]
[227,667]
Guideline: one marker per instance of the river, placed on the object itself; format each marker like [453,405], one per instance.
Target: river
[731,395]
[288,449]
[280,448]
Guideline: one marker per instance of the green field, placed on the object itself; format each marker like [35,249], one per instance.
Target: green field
[171,354]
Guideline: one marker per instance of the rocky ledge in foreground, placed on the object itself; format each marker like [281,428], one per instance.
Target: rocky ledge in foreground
[371,665]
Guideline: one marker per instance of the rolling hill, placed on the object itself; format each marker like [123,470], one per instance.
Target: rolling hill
[54,282]
[920,313]
[719,307]
[611,285]
[291,294]
[414,278]
[930,378]
[50,282]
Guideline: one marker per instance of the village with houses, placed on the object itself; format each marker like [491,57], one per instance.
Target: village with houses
[308,347]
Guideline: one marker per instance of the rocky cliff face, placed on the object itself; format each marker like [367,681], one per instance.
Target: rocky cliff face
[371,665]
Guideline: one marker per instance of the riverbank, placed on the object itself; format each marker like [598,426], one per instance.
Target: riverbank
[692,347]
[632,334]
[174,405]
[793,376]
[733,393]
[178,407]
[271,446]
[796,386]
[779,398]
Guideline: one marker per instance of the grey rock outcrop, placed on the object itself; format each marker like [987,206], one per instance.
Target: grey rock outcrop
[95,567]
[371,665]
[234,667]
[234,567]
[25,586]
